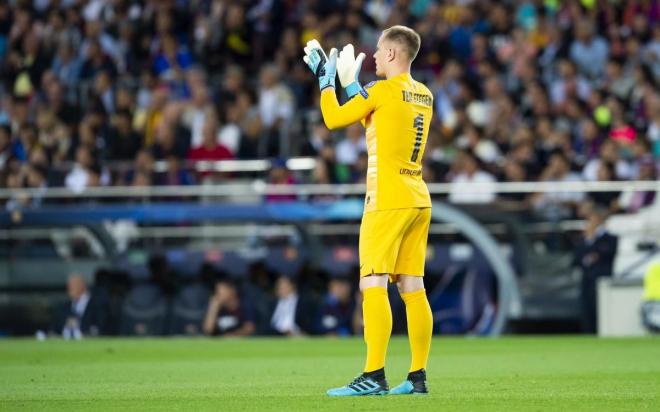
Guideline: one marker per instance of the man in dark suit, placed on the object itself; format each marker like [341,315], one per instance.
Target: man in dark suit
[82,314]
[294,314]
[594,254]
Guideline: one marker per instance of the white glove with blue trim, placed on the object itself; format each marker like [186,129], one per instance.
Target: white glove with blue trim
[348,68]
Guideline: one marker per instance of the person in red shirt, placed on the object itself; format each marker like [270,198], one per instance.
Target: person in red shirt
[210,149]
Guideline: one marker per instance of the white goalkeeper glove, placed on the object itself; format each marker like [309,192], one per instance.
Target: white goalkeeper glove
[348,69]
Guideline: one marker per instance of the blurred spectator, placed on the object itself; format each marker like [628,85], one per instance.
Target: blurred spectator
[556,205]
[589,51]
[198,110]
[467,170]
[594,255]
[175,175]
[610,199]
[172,59]
[96,61]
[279,175]
[293,314]
[210,149]
[82,314]
[631,201]
[80,177]
[227,314]
[123,142]
[349,148]
[275,108]
[336,312]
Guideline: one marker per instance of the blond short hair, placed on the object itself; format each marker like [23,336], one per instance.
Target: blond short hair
[406,37]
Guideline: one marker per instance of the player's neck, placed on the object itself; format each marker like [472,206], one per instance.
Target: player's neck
[397,70]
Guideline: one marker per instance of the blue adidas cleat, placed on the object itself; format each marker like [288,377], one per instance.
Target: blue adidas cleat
[415,384]
[365,384]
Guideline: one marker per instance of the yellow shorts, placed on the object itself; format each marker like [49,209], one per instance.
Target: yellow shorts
[394,242]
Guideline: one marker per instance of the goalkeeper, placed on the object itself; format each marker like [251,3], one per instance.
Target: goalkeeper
[396,114]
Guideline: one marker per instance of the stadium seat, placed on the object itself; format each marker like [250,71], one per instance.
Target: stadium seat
[287,260]
[188,310]
[144,312]
[339,260]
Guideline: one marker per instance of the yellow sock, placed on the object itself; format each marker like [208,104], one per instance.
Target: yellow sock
[377,326]
[420,327]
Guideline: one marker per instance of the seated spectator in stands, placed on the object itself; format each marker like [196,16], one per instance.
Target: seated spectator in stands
[210,150]
[352,145]
[569,84]
[336,312]
[123,142]
[276,107]
[66,65]
[279,175]
[172,59]
[79,178]
[556,205]
[82,314]
[175,175]
[608,152]
[514,172]
[249,120]
[199,108]
[142,172]
[594,255]
[96,61]
[170,140]
[469,171]
[294,314]
[102,93]
[610,199]
[589,51]
[6,151]
[36,179]
[632,201]
[227,314]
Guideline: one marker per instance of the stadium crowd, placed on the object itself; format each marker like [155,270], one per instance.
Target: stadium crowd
[94,91]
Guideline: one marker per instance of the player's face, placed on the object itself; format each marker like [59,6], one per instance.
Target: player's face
[380,56]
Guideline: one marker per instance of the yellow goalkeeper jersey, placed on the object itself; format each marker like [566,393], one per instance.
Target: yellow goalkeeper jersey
[396,114]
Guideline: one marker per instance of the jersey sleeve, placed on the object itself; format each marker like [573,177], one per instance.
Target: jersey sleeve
[336,116]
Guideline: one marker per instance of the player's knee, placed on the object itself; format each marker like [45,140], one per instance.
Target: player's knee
[375,280]
[408,284]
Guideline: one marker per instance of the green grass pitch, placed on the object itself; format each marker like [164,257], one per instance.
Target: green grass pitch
[521,374]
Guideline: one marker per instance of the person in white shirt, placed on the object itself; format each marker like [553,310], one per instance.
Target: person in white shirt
[349,148]
[470,172]
[559,204]
[283,320]
[276,106]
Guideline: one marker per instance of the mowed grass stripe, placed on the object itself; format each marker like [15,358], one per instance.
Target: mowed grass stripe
[512,373]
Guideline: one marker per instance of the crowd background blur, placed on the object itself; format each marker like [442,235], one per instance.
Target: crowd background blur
[94,91]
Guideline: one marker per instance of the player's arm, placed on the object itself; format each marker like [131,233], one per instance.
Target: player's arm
[336,116]
[325,69]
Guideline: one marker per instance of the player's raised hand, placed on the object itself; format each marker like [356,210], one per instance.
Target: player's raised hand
[324,67]
[348,68]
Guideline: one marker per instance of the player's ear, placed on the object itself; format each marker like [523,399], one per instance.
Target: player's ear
[391,54]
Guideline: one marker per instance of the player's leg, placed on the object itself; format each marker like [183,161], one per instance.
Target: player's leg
[380,237]
[420,332]
[377,316]
[410,282]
